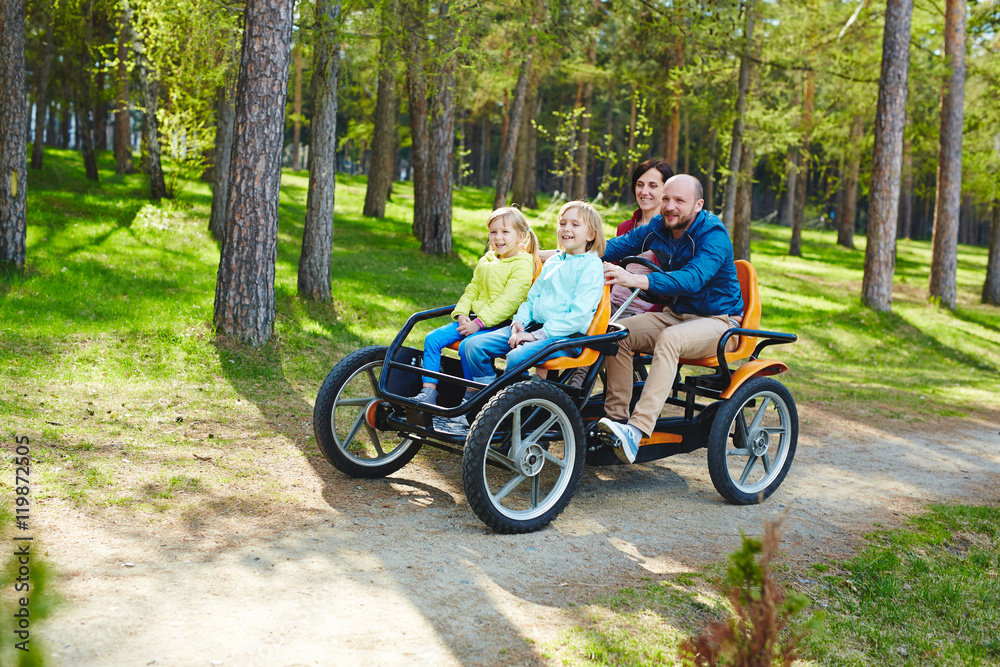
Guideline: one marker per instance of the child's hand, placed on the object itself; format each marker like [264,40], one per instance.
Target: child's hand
[521,339]
[468,327]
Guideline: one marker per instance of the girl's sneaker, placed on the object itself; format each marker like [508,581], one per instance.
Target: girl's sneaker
[427,395]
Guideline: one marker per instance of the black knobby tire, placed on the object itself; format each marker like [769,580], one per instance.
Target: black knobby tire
[341,419]
[523,457]
[752,441]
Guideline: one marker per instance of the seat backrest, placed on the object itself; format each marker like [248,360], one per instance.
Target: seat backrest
[598,326]
[747,276]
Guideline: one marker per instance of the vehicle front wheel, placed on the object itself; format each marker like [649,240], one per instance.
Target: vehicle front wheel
[523,457]
[344,419]
[752,441]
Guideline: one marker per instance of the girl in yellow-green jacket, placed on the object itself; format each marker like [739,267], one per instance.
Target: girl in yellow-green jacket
[499,285]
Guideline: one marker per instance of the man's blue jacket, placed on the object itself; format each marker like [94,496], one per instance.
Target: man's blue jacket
[699,268]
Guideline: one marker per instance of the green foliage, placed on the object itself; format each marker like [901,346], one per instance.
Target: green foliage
[36,588]
[925,594]
[763,629]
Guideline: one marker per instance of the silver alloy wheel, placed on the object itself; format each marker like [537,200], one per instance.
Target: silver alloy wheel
[534,473]
[759,442]
[350,421]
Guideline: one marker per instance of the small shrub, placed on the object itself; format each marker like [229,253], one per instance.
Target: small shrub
[762,630]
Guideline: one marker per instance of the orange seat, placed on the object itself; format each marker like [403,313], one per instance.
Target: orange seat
[538,270]
[598,326]
[747,276]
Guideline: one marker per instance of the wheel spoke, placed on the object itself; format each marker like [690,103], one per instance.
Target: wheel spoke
[354,430]
[515,434]
[373,434]
[746,471]
[760,413]
[535,482]
[354,402]
[739,452]
[774,430]
[508,487]
[767,462]
[505,461]
[541,430]
[555,460]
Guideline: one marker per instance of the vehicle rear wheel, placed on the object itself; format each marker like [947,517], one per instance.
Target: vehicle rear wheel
[344,419]
[523,457]
[752,441]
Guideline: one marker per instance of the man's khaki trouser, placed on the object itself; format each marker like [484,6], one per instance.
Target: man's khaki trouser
[668,337]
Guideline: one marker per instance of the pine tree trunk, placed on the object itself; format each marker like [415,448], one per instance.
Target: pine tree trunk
[583,144]
[991,287]
[420,149]
[244,293]
[713,136]
[123,124]
[380,175]
[570,152]
[522,165]
[944,246]
[607,186]
[64,112]
[13,137]
[297,110]
[849,192]
[50,130]
[225,116]
[802,179]
[437,229]
[149,88]
[890,119]
[531,177]
[633,118]
[483,175]
[317,237]
[736,145]
[905,225]
[84,109]
[41,95]
[744,204]
[505,170]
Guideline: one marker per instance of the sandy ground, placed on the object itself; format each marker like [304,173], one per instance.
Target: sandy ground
[400,571]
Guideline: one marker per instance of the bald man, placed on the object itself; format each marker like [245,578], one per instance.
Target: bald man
[692,247]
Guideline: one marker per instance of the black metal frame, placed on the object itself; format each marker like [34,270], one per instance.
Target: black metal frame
[693,426]
[418,422]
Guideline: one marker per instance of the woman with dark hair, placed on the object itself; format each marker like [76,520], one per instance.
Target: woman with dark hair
[647,184]
[648,180]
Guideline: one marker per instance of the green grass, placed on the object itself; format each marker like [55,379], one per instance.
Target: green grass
[927,594]
[109,362]
[106,339]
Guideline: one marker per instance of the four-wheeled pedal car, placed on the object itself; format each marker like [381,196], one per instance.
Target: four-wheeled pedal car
[524,453]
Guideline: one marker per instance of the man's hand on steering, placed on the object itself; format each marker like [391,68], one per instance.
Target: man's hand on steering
[616,275]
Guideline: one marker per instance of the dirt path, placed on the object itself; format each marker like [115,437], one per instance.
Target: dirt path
[400,572]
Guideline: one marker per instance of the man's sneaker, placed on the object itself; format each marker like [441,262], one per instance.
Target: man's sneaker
[427,395]
[626,438]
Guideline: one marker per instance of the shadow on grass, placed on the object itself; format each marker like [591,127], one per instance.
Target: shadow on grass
[258,376]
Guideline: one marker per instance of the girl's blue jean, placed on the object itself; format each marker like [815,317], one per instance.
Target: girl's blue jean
[439,339]
[478,352]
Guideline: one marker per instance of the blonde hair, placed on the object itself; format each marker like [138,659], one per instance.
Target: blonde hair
[516,220]
[593,220]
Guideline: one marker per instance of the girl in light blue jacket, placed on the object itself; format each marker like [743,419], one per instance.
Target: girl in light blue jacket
[561,302]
